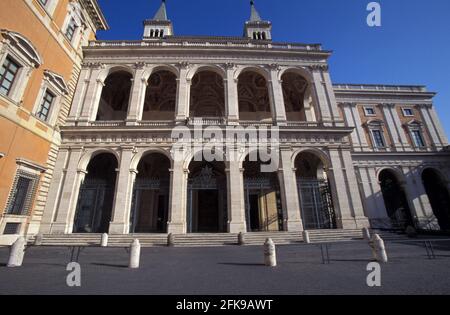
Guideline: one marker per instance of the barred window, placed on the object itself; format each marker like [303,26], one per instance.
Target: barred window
[8,73]
[21,197]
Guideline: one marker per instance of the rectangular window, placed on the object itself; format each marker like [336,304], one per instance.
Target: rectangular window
[370,111]
[408,112]
[70,31]
[22,194]
[8,73]
[418,139]
[44,108]
[11,229]
[378,139]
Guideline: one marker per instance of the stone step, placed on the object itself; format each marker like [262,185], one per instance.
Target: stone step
[200,239]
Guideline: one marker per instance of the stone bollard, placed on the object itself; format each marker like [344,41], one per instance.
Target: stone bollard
[306,237]
[378,249]
[366,234]
[135,254]
[17,253]
[38,239]
[241,239]
[270,253]
[104,241]
[171,240]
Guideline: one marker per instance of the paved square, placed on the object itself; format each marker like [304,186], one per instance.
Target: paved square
[230,270]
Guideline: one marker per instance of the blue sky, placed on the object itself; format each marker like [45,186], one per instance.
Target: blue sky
[411,47]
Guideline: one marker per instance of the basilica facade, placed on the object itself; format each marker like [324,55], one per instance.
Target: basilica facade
[184,134]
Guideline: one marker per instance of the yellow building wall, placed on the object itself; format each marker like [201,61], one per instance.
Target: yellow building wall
[21,135]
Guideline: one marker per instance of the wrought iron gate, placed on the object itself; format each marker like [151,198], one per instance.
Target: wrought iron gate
[316,204]
[94,207]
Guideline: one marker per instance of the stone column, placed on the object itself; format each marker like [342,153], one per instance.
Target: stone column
[177,203]
[120,221]
[319,87]
[350,121]
[79,96]
[137,98]
[373,196]
[64,218]
[183,93]
[390,125]
[92,99]
[276,96]
[328,86]
[289,193]
[231,100]
[437,124]
[342,190]
[54,193]
[437,142]
[401,132]
[417,197]
[235,195]
[354,191]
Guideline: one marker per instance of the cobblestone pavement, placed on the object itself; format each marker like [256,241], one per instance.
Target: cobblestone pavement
[230,270]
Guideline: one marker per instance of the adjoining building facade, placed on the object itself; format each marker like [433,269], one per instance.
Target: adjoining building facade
[40,61]
[148,115]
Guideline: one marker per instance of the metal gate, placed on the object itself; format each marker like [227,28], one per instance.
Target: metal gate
[316,204]
[94,207]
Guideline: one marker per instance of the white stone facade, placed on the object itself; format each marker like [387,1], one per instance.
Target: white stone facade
[334,128]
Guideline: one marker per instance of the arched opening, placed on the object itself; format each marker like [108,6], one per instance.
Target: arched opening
[263,207]
[95,201]
[115,97]
[439,197]
[207,197]
[160,96]
[253,95]
[395,200]
[297,98]
[207,95]
[150,203]
[316,202]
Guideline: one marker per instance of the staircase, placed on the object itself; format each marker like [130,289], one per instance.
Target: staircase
[201,239]
[329,236]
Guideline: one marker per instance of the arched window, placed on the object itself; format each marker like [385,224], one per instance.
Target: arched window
[253,96]
[152,33]
[255,35]
[161,33]
[207,95]
[160,96]
[297,98]
[264,35]
[18,57]
[115,97]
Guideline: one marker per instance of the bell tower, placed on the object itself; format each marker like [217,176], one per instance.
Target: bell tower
[160,26]
[256,28]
